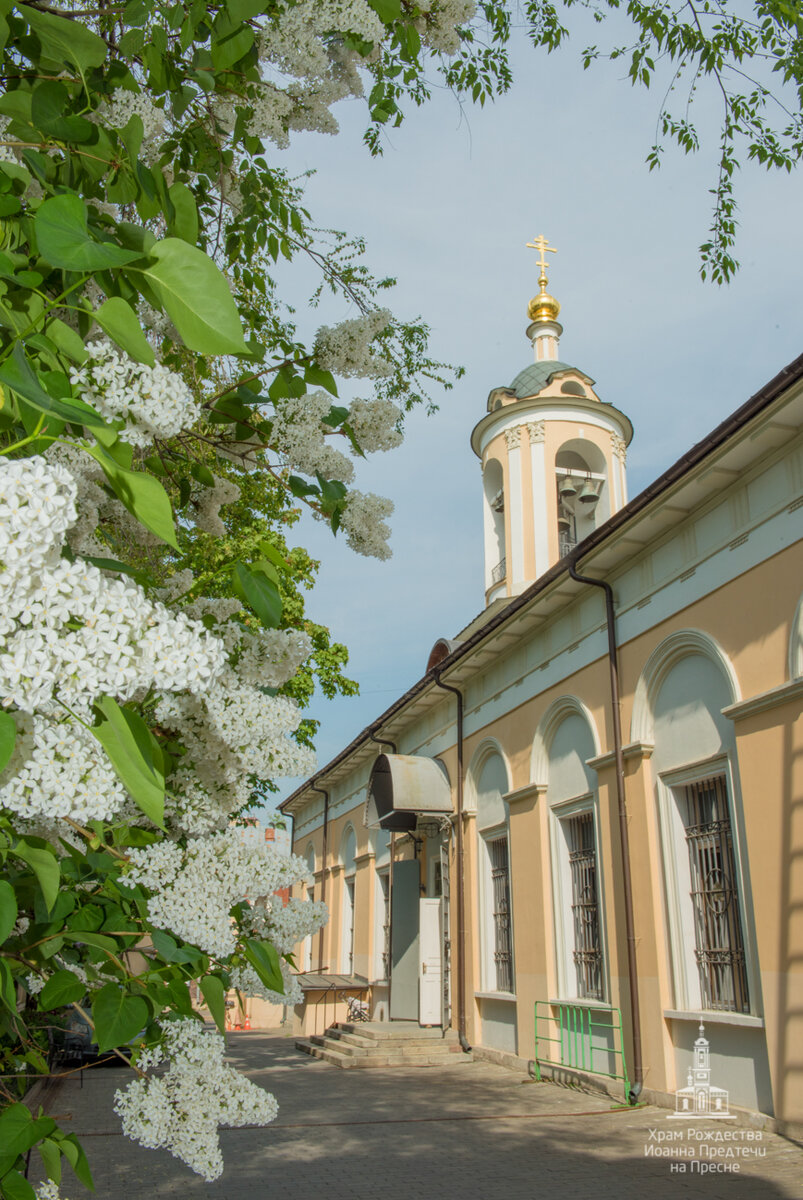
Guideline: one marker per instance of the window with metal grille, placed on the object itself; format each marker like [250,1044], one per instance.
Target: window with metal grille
[717,923]
[349,955]
[500,893]
[587,952]
[384,884]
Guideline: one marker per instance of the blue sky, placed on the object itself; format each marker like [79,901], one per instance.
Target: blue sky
[448,211]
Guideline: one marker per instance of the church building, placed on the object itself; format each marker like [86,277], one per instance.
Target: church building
[579,835]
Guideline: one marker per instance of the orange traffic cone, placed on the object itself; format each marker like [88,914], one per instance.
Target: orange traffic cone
[247,1022]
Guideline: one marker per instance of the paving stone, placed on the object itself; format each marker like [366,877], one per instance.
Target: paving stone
[472,1132]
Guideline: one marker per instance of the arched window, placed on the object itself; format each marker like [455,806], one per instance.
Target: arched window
[583,495]
[685,686]
[496,933]
[572,799]
[493,487]
[348,853]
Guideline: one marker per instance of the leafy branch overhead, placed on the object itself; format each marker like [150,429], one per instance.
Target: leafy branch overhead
[163,423]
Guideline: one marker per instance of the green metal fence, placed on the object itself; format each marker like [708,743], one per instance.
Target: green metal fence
[587,1039]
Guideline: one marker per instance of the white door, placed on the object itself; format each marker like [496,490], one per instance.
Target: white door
[430,966]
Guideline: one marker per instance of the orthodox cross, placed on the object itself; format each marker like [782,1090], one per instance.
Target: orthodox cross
[541,245]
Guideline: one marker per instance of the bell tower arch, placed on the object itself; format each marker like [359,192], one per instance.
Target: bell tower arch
[553,457]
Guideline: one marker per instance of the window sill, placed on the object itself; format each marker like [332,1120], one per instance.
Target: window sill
[578,1002]
[715,1018]
[510,996]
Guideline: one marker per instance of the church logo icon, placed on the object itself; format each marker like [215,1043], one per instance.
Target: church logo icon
[700,1098]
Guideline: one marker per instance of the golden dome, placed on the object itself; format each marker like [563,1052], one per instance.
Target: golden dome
[543,307]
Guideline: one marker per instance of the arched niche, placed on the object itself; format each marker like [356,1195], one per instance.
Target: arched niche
[565,738]
[488,780]
[494,508]
[685,684]
[583,463]
[380,844]
[348,850]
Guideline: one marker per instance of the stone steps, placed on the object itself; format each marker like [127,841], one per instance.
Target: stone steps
[371,1044]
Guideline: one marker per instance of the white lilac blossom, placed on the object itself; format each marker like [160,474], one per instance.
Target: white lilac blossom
[181,1109]
[153,402]
[440,23]
[210,500]
[375,424]
[345,349]
[363,521]
[122,105]
[58,769]
[298,435]
[48,1191]
[195,886]
[35,983]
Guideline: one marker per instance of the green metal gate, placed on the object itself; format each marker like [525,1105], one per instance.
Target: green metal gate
[585,1039]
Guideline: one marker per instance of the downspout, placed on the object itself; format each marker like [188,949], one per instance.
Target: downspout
[324,853]
[461,908]
[627,884]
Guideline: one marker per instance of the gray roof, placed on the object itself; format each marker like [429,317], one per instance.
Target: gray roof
[530,381]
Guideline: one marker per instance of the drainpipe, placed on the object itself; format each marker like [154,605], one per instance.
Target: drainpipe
[461,908]
[324,853]
[627,885]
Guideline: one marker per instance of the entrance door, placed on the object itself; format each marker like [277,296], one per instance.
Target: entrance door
[430,978]
[404,900]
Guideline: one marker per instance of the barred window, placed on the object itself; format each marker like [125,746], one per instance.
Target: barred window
[500,895]
[718,936]
[384,885]
[587,952]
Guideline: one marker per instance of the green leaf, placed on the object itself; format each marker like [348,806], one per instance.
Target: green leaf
[51,1157]
[17,1134]
[49,103]
[260,594]
[185,223]
[168,949]
[196,296]
[73,1151]
[45,867]
[214,994]
[142,495]
[320,378]
[66,340]
[66,41]
[119,320]
[128,742]
[231,49]
[17,374]
[65,241]
[8,989]
[264,958]
[8,736]
[16,1187]
[117,1017]
[387,10]
[8,909]
[62,988]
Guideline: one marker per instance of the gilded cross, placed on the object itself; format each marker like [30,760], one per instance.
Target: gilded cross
[541,245]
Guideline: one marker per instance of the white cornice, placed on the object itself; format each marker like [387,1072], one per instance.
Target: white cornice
[765,700]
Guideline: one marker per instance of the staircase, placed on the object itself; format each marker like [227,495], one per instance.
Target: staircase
[384,1044]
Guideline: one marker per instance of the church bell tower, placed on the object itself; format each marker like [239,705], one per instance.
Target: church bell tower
[552,454]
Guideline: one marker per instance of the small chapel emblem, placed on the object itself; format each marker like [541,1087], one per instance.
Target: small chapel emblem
[700,1098]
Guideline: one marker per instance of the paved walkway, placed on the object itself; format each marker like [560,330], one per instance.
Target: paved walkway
[465,1132]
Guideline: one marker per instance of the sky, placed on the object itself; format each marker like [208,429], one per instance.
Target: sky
[448,211]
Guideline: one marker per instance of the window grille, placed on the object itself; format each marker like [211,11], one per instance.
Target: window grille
[384,883]
[717,924]
[350,927]
[500,885]
[587,953]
